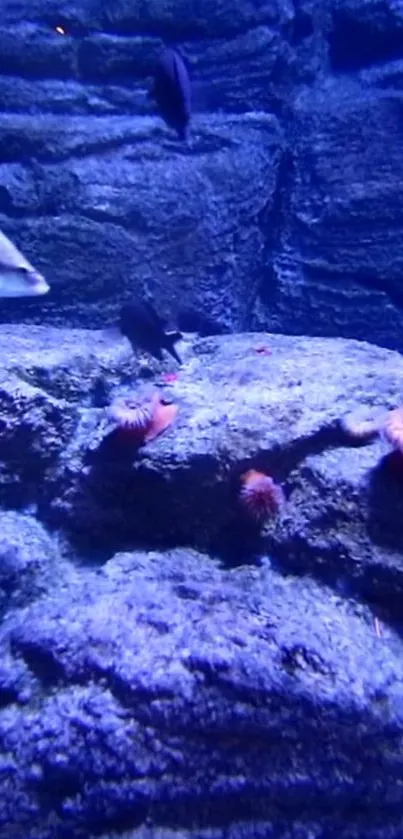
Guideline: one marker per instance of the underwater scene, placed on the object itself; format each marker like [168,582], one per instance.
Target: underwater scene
[201,419]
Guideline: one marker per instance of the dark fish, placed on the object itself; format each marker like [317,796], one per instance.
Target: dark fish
[172,92]
[140,323]
[190,320]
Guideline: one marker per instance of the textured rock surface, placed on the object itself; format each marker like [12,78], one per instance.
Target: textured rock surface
[102,197]
[340,257]
[164,696]
[172,693]
[34,429]
[29,561]
[133,217]
[238,409]
[289,220]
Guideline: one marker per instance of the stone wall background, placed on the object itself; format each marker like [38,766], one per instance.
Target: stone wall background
[284,212]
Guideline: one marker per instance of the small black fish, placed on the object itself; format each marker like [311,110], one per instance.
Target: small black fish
[172,92]
[190,320]
[143,327]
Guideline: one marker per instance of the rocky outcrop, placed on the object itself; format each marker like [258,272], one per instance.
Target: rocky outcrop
[30,561]
[114,197]
[284,211]
[339,256]
[164,696]
[101,195]
[243,683]
[274,406]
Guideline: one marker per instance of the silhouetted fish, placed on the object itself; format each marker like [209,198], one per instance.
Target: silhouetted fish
[172,92]
[18,278]
[144,328]
[190,320]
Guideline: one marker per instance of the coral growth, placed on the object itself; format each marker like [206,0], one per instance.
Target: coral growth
[260,496]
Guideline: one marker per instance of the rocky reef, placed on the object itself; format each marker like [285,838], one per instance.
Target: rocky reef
[170,668]
[284,210]
[165,669]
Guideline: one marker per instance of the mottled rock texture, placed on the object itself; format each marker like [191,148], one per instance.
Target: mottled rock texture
[164,696]
[283,212]
[241,685]
[29,561]
[277,411]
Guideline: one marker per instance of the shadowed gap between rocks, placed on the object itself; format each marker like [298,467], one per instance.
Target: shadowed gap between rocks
[273,224]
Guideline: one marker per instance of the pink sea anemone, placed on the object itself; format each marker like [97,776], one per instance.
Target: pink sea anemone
[132,415]
[260,496]
[142,419]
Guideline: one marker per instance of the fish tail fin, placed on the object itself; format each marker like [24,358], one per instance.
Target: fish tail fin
[172,339]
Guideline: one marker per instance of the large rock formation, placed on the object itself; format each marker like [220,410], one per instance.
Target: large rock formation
[283,212]
[279,407]
[171,692]
[165,697]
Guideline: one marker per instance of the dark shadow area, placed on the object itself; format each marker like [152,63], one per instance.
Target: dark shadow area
[385,520]
[41,662]
[355,43]
[302,26]
[8,696]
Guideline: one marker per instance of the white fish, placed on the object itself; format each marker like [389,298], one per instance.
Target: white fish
[18,278]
